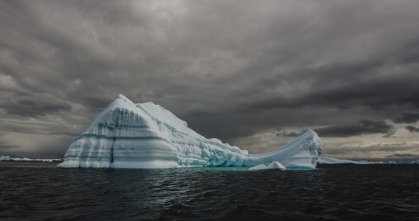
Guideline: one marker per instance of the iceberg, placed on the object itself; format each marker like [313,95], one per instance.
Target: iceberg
[145,135]
[272,166]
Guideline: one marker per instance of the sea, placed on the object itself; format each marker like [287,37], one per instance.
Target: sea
[40,191]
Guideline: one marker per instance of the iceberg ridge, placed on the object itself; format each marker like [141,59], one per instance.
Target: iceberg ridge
[128,135]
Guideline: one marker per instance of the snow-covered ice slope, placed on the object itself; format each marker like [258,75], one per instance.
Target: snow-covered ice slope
[128,135]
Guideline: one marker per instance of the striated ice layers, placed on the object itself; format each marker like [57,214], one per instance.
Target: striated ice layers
[128,135]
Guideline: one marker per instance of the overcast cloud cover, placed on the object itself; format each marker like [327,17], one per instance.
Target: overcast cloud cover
[253,73]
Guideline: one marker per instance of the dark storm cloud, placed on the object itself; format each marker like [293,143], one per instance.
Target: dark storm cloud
[360,128]
[352,96]
[284,133]
[354,88]
[372,148]
[28,107]
[412,129]
[408,117]
[40,127]
[229,69]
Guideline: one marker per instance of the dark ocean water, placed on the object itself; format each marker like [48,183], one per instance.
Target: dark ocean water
[39,191]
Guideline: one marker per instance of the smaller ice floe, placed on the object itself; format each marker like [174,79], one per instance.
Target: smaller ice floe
[403,162]
[4,158]
[275,165]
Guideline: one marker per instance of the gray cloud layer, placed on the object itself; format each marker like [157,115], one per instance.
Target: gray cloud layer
[229,68]
[412,129]
[363,127]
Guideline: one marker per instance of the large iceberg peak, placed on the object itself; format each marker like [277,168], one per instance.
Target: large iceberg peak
[121,96]
[310,132]
[121,101]
[146,135]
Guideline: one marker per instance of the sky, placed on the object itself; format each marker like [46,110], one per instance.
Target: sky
[255,74]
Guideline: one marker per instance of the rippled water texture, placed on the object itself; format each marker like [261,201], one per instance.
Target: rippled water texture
[37,191]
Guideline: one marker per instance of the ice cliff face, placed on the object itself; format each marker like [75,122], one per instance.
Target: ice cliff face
[128,135]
